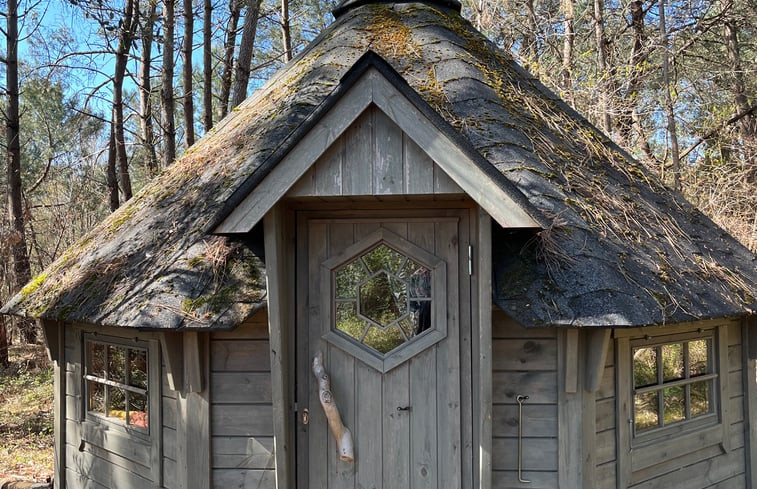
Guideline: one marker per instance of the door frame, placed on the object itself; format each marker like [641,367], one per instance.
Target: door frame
[281,233]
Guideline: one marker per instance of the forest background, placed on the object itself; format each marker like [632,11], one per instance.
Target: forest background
[101,95]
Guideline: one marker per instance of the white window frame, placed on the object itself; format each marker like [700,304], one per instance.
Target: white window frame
[648,454]
[153,384]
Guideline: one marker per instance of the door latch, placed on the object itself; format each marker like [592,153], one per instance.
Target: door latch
[305,416]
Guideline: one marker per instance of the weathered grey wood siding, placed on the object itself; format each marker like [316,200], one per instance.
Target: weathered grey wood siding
[168,405]
[95,456]
[524,362]
[697,469]
[373,158]
[241,407]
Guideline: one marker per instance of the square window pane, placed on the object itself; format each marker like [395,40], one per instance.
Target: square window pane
[96,401]
[672,362]
[116,363]
[699,357]
[644,367]
[116,403]
[674,404]
[96,359]
[138,368]
[645,411]
[700,398]
[138,410]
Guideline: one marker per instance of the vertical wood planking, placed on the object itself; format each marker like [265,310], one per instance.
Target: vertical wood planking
[317,429]
[481,296]
[418,175]
[368,438]
[396,427]
[328,170]
[388,172]
[356,172]
[424,471]
[448,362]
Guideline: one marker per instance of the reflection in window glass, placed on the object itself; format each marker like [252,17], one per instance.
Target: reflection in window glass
[117,382]
[646,411]
[382,298]
[644,367]
[673,383]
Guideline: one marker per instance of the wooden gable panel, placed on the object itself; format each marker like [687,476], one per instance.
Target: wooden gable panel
[374,157]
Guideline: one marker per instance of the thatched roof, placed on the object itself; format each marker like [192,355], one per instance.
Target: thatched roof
[617,249]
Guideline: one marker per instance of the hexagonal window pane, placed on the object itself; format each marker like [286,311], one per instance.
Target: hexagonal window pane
[383,258]
[384,340]
[383,299]
[347,279]
[348,322]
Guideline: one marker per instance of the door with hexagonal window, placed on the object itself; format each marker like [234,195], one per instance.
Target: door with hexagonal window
[380,301]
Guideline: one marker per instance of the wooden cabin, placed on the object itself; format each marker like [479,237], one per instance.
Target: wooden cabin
[402,263]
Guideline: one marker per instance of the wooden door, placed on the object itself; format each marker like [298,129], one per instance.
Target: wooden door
[395,379]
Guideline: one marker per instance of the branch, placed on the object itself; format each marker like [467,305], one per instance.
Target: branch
[341,433]
[719,128]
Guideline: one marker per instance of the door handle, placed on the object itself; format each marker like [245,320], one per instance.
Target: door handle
[341,433]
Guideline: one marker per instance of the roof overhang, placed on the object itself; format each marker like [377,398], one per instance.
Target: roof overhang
[372,81]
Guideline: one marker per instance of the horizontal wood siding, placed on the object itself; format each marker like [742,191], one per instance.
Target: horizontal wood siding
[374,157]
[98,454]
[605,441]
[170,424]
[241,407]
[524,362]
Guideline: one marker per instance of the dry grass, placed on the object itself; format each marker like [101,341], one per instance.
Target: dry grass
[26,415]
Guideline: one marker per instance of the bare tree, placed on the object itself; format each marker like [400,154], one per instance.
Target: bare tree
[246,49]
[602,65]
[669,108]
[21,267]
[125,40]
[207,67]
[166,90]
[286,30]
[145,87]
[186,71]
[235,9]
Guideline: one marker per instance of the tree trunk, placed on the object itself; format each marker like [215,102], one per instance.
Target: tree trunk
[246,49]
[624,121]
[286,32]
[145,90]
[4,360]
[111,174]
[166,90]
[748,123]
[235,8]
[126,36]
[207,67]
[602,65]
[21,267]
[669,108]
[188,102]
[569,36]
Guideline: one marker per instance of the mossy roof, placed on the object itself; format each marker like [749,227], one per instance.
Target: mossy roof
[617,249]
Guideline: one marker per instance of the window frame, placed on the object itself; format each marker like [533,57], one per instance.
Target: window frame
[648,455]
[152,393]
[689,423]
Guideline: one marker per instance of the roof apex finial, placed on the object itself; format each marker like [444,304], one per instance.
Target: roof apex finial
[347,5]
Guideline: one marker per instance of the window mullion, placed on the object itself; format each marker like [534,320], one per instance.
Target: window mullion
[660,391]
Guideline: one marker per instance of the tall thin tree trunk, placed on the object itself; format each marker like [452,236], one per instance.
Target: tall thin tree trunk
[246,50]
[188,101]
[4,360]
[602,65]
[110,172]
[286,32]
[235,9]
[145,89]
[207,67]
[21,267]
[669,108]
[569,37]
[126,37]
[166,90]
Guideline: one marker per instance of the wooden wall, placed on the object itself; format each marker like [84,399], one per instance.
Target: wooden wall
[241,407]
[97,457]
[524,362]
[382,160]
